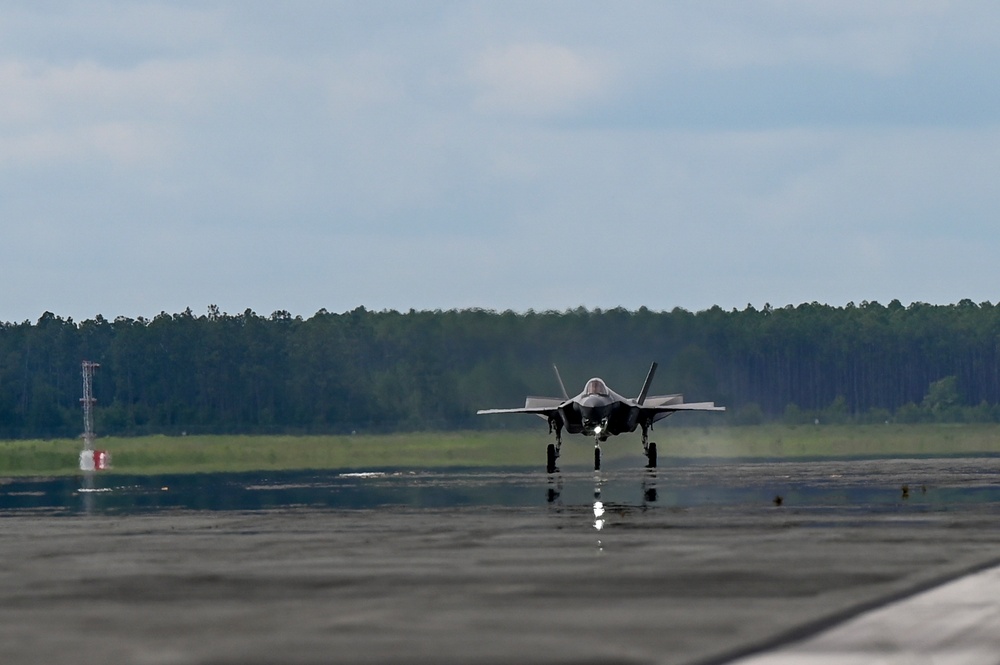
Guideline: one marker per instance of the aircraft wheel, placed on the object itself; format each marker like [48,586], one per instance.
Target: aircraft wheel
[597,459]
[550,458]
[651,456]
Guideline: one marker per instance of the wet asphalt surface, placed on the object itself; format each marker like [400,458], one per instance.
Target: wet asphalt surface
[692,563]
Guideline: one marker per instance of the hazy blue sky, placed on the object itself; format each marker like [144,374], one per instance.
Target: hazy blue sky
[547,155]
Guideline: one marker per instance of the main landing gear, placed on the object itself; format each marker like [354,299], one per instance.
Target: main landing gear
[552,451]
[552,454]
[648,447]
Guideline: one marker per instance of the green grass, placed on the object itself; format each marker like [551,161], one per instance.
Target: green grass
[831,440]
[191,454]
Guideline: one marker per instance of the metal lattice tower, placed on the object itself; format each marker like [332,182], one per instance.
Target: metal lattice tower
[88,404]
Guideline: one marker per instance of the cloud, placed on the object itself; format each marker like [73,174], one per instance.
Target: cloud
[122,143]
[536,79]
[489,154]
[64,113]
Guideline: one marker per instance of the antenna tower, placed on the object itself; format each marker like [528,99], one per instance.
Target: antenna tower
[88,404]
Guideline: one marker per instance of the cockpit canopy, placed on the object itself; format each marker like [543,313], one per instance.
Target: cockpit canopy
[596,387]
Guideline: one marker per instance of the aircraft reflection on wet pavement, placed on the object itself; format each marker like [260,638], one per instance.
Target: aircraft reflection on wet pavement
[864,484]
[647,486]
[600,412]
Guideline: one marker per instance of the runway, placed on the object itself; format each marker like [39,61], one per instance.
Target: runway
[694,563]
[955,623]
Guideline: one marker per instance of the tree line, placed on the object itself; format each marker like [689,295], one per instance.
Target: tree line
[367,371]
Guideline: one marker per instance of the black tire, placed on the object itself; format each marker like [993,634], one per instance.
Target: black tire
[651,456]
[597,459]
[550,458]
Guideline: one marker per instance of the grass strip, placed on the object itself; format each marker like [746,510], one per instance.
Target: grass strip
[192,454]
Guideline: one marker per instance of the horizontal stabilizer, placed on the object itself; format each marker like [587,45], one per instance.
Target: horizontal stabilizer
[693,406]
[543,402]
[663,400]
[662,411]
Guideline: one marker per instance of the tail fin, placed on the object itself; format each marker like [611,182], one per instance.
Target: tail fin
[561,385]
[645,385]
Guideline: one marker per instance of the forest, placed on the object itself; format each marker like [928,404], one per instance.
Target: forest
[387,371]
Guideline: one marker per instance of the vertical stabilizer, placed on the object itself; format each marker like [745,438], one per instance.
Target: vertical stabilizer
[645,385]
[562,386]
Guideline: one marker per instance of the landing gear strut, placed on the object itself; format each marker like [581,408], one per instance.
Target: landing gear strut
[552,451]
[648,447]
[597,457]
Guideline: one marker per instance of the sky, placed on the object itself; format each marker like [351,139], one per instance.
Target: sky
[305,155]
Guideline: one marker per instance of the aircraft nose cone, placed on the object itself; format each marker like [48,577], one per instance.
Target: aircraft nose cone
[593,408]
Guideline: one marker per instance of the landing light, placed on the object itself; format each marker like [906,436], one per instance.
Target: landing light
[597,430]
[598,514]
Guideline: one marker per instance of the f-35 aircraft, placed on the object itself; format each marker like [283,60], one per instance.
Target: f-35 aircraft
[601,412]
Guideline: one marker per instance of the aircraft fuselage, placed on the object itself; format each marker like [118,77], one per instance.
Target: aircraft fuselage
[599,416]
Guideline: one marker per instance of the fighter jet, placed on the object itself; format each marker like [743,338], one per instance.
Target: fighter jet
[601,412]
